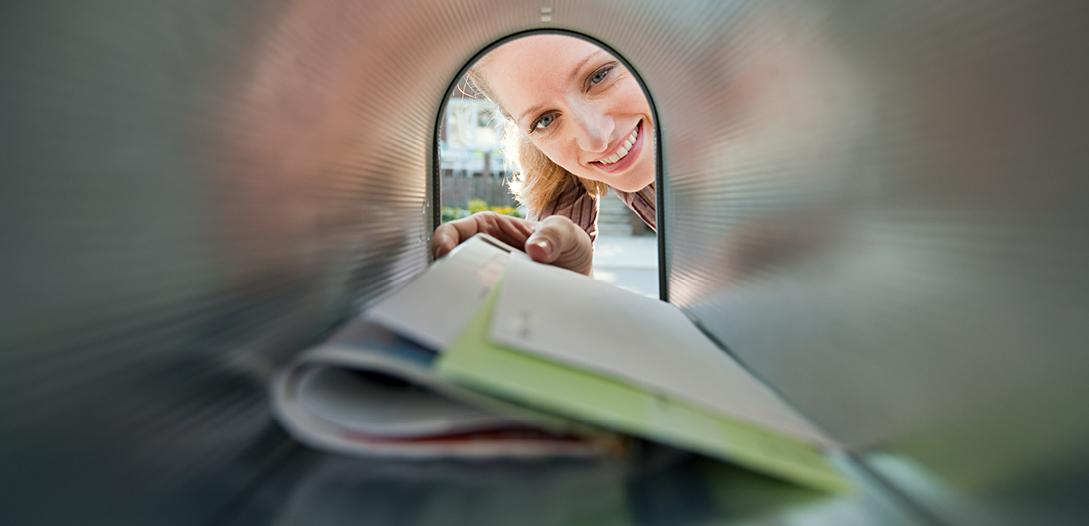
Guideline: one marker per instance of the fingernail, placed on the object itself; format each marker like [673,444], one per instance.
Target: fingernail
[544,245]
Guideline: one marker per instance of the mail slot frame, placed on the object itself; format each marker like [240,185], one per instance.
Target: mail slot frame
[435,198]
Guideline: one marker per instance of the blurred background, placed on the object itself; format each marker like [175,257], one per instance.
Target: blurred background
[878,208]
[475,176]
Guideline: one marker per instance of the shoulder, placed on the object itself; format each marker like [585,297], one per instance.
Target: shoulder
[643,203]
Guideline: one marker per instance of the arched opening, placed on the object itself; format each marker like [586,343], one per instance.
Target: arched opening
[554,123]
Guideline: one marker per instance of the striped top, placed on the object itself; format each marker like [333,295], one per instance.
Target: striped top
[581,207]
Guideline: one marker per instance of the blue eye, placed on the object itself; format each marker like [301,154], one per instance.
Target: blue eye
[600,75]
[544,122]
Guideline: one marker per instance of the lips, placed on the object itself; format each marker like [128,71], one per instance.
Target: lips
[622,151]
[623,156]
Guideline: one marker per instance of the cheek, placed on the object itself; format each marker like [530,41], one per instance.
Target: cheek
[567,158]
[632,97]
[555,150]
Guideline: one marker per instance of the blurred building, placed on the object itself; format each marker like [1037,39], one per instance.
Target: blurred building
[471,160]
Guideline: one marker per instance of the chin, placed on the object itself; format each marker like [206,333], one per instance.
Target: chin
[632,182]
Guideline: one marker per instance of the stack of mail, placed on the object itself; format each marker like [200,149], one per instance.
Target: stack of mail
[553,349]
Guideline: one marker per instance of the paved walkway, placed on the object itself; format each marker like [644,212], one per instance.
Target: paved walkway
[629,262]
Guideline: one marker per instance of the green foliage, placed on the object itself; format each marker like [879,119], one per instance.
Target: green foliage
[477,205]
[450,213]
[506,210]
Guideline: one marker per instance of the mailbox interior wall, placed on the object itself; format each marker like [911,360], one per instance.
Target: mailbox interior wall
[875,206]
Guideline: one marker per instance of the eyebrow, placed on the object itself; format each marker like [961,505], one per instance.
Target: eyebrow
[571,78]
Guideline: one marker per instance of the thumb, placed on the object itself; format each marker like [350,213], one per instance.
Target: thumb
[444,240]
[560,242]
[541,247]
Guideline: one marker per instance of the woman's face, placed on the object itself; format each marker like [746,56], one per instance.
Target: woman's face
[578,104]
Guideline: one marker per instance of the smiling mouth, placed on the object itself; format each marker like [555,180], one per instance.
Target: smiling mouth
[622,152]
[623,156]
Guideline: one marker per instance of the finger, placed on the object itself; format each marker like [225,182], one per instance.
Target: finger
[558,241]
[456,232]
[541,249]
[511,230]
[445,238]
[517,229]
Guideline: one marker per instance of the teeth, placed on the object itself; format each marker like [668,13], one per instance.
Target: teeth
[624,148]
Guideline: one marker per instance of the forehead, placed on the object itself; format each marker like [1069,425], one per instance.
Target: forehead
[523,71]
[540,48]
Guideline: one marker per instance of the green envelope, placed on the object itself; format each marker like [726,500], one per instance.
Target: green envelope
[474,361]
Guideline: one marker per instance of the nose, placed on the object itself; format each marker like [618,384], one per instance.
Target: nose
[593,129]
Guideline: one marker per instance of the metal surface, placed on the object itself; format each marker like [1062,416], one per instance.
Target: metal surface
[880,209]
[652,486]
[877,206]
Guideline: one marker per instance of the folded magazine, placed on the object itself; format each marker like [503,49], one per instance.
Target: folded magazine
[490,354]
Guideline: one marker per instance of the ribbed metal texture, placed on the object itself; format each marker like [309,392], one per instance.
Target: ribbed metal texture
[877,206]
[192,192]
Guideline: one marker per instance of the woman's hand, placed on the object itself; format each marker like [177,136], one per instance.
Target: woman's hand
[556,240]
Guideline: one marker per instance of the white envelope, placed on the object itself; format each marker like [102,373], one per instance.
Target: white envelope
[596,326]
[434,308]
